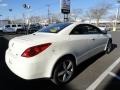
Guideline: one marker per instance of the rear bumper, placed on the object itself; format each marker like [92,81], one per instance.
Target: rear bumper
[26,70]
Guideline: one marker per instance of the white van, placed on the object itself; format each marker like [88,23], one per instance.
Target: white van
[12,28]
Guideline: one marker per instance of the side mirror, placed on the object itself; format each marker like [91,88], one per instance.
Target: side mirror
[104,30]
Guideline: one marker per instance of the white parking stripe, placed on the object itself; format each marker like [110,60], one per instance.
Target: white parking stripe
[114,75]
[103,75]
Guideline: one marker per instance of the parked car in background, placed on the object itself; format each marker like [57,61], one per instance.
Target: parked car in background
[34,27]
[104,28]
[12,28]
[1,29]
[55,51]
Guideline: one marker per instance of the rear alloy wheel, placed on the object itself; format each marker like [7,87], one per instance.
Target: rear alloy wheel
[109,47]
[64,71]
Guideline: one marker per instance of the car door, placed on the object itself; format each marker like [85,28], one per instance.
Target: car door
[7,28]
[87,40]
[99,39]
[81,42]
[14,27]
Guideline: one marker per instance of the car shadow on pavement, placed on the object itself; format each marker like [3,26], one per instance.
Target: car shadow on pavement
[9,81]
[114,83]
[114,46]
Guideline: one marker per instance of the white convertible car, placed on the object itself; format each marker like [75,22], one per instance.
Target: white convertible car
[55,51]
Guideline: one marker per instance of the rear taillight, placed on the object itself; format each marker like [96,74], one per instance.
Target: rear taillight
[32,51]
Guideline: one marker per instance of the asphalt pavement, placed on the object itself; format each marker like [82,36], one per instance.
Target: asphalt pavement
[87,73]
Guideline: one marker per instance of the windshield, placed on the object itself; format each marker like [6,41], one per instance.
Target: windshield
[54,28]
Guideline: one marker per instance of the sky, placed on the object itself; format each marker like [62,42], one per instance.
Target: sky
[39,7]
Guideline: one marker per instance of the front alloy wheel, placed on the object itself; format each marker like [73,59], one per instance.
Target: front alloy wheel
[64,71]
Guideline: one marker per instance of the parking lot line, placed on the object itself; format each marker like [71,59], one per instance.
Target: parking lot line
[94,85]
[114,75]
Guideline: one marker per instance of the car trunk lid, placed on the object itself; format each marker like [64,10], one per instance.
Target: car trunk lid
[19,44]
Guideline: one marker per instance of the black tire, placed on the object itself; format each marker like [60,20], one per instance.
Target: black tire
[109,47]
[18,31]
[64,71]
[1,31]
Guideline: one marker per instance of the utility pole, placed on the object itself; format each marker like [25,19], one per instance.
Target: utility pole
[10,10]
[27,7]
[48,6]
[0,20]
[117,15]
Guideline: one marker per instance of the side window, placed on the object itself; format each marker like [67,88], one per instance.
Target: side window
[13,25]
[19,25]
[93,29]
[78,30]
[7,26]
[85,29]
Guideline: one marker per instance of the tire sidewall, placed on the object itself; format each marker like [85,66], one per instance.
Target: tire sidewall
[109,47]
[55,79]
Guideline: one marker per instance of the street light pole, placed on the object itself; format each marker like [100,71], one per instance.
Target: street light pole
[0,20]
[27,7]
[48,14]
[10,10]
[117,15]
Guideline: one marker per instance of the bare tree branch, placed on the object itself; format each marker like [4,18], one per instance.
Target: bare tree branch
[98,12]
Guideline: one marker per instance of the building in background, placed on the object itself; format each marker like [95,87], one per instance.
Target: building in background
[4,22]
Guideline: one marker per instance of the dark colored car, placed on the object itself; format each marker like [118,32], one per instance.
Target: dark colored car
[34,27]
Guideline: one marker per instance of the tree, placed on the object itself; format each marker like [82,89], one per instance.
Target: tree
[75,14]
[114,23]
[35,19]
[88,16]
[56,17]
[98,12]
